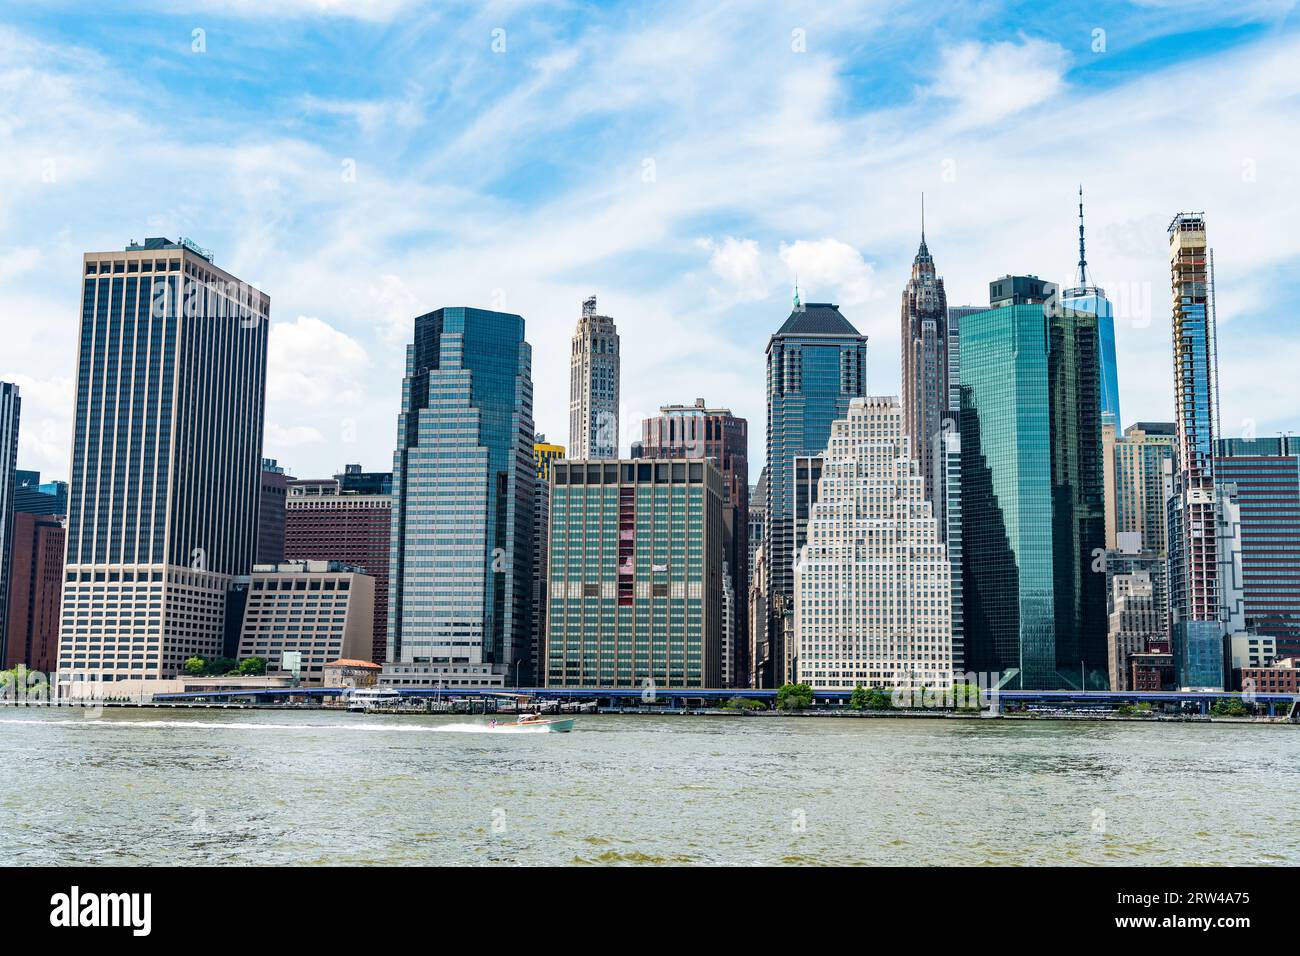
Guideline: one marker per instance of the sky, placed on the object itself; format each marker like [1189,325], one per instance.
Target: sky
[366,161]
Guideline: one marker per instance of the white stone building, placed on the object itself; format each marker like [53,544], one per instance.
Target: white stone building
[872,583]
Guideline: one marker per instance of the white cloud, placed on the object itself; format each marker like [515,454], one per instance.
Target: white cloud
[737,262]
[991,81]
[293,436]
[830,268]
[311,363]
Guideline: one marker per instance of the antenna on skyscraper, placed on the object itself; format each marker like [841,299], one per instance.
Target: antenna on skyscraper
[922,218]
[1083,261]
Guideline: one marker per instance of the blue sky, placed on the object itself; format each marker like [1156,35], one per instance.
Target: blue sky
[364,162]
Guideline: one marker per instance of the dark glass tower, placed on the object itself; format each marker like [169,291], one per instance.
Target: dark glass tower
[1087,297]
[816,364]
[1031,490]
[462,518]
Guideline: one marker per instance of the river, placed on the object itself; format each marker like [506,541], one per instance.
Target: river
[313,787]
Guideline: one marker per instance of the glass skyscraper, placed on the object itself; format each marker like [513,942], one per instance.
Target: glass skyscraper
[166,460]
[462,517]
[1086,297]
[816,364]
[1193,505]
[1031,490]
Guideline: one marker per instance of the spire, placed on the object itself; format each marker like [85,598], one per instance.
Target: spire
[923,253]
[1083,260]
[796,292]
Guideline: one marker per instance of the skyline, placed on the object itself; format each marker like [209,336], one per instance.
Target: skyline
[813,164]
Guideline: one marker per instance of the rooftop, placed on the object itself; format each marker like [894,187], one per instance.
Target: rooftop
[817,318]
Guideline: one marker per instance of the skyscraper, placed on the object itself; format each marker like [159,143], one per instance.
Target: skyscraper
[462,518]
[1192,508]
[636,586]
[36,497]
[816,364]
[1086,297]
[1031,489]
[270,522]
[697,431]
[10,411]
[925,358]
[594,364]
[872,584]
[1134,465]
[1263,475]
[166,461]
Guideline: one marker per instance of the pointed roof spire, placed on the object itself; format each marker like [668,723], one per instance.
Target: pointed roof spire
[796,292]
[923,253]
[1083,260]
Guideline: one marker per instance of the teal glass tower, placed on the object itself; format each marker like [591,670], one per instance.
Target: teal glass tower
[462,515]
[1031,490]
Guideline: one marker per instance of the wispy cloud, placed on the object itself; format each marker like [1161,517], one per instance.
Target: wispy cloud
[683,163]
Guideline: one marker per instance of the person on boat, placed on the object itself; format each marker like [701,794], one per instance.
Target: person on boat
[529,718]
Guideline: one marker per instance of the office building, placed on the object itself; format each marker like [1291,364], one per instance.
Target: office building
[946,504]
[326,521]
[544,453]
[1031,490]
[1131,558]
[37,497]
[460,588]
[1135,623]
[1090,298]
[10,413]
[1192,508]
[925,341]
[270,522]
[1134,476]
[636,567]
[35,590]
[698,431]
[1263,475]
[872,601]
[166,463]
[816,364]
[594,363]
[318,610]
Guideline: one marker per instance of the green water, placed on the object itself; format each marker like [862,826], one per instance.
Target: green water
[268,787]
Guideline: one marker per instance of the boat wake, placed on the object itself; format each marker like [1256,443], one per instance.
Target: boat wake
[368,727]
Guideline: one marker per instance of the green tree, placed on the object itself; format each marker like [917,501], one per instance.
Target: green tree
[1232,707]
[879,699]
[858,699]
[222,666]
[966,697]
[253,666]
[794,697]
[196,666]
